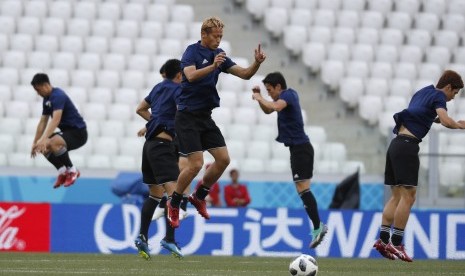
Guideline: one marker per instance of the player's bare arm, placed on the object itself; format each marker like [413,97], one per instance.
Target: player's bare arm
[193,74]
[143,110]
[247,73]
[448,121]
[267,106]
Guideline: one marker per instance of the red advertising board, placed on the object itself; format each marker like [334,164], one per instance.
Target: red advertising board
[24,227]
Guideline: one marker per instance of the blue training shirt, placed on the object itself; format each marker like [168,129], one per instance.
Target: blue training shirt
[421,111]
[58,100]
[162,100]
[201,94]
[290,122]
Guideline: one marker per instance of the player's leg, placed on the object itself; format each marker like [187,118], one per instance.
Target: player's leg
[169,241]
[58,155]
[182,163]
[160,210]
[72,139]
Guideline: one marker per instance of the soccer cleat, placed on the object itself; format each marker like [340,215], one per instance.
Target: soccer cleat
[173,215]
[380,246]
[71,178]
[182,214]
[318,235]
[159,212]
[173,248]
[399,252]
[61,179]
[142,247]
[200,205]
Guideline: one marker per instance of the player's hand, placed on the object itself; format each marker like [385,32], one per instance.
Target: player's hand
[33,151]
[41,145]
[256,89]
[259,54]
[142,132]
[219,59]
[461,123]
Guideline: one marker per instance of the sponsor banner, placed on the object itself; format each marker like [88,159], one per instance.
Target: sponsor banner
[24,227]
[253,232]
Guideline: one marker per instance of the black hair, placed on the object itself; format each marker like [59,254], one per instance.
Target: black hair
[274,79]
[162,69]
[172,67]
[40,78]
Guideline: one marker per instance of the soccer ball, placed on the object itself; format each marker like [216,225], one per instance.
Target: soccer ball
[304,265]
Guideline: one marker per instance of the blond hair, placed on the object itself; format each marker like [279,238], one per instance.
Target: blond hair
[212,22]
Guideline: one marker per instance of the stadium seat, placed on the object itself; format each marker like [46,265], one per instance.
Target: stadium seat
[127,29]
[405,70]
[17,109]
[276,18]
[252,165]
[100,95]
[279,151]
[324,18]
[277,165]
[348,19]
[121,45]
[427,21]
[351,166]
[108,78]
[139,62]
[89,61]
[386,123]
[103,28]
[109,11]
[22,42]
[264,132]
[401,87]
[85,10]
[327,167]
[72,44]
[11,8]
[286,4]
[8,25]
[25,93]
[456,7]
[176,30]
[446,38]
[7,143]
[5,94]
[40,60]
[381,6]
[98,161]
[78,27]
[236,148]
[228,98]
[259,149]
[369,107]
[158,13]
[362,52]
[394,103]
[410,7]
[438,55]
[171,47]
[54,26]
[24,143]
[182,13]
[231,83]
[357,69]
[453,22]
[96,44]
[114,61]
[305,4]
[28,25]
[300,17]
[343,35]
[106,145]
[392,36]
[36,8]
[46,43]
[112,127]
[245,115]
[239,131]
[411,54]
[83,78]
[381,70]
[372,19]
[376,86]
[367,35]
[134,11]
[320,34]
[93,128]
[9,76]
[331,73]
[133,79]
[145,46]
[294,38]
[399,20]
[11,125]
[78,94]
[14,59]
[64,60]
[257,8]
[4,42]
[151,79]
[126,96]
[430,71]
[386,53]
[458,67]
[451,174]
[125,163]
[420,38]
[313,55]
[17,159]
[131,146]
[94,111]
[62,9]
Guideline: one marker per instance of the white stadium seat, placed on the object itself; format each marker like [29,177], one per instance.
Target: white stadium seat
[372,19]
[348,19]
[367,35]
[98,161]
[78,27]
[259,149]
[83,78]
[387,53]
[107,145]
[126,96]
[64,60]
[399,20]
[85,10]
[77,94]
[239,132]
[236,149]
[427,21]
[11,126]
[25,93]
[410,7]
[14,59]
[320,34]
[8,25]
[121,45]
[100,95]
[331,73]
[287,4]
[7,143]
[127,28]
[53,26]
[410,54]
[362,52]
[420,38]
[252,165]
[89,61]
[108,78]
[171,47]
[245,115]
[94,111]
[392,36]
[8,76]
[369,107]
[46,43]
[381,70]
[405,70]
[109,11]
[5,93]
[120,111]
[276,19]
[125,163]
[456,7]
[182,13]
[382,6]
[132,145]
[257,8]
[28,25]
[11,8]
[313,55]
[17,159]
[157,12]
[300,17]
[344,35]
[134,11]
[114,61]
[103,28]
[61,8]
[439,55]
[376,86]
[36,8]
[22,42]
[446,38]
[357,69]
[264,132]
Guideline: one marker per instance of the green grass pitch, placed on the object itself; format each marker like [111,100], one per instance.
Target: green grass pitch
[118,264]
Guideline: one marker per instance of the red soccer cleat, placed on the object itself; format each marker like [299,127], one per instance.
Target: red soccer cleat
[399,252]
[61,179]
[200,205]
[173,215]
[71,178]
[380,246]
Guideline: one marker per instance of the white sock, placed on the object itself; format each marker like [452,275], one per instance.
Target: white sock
[72,169]
[62,170]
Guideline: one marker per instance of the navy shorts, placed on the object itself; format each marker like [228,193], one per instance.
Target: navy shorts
[159,161]
[402,162]
[74,137]
[302,161]
[196,131]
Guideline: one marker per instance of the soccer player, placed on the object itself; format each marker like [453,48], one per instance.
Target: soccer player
[72,135]
[427,105]
[159,158]
[291,133]
[201,64]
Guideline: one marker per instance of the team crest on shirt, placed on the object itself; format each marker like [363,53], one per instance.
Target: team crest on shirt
[48,104]
[204,61]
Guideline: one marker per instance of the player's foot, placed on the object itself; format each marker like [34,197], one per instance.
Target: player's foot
[173,248]
[182,214]
[173,215]
[61,179]
[142,247]
[159,212]
[200,205]
[380,246]
[399,252]
[318,235]
[71,178]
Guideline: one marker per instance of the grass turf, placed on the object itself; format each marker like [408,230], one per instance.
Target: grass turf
[118,264]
